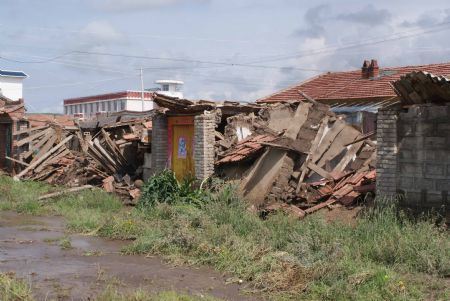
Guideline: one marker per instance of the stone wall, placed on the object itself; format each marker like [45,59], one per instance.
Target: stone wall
[204,139]
[414,155]
[159,143]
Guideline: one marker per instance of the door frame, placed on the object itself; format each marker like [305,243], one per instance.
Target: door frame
[171,121]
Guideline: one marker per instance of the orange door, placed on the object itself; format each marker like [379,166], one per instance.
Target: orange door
[183,151]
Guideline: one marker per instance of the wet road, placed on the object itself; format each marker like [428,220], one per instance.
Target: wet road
[32,248]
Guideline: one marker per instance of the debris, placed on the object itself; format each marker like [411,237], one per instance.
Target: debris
[59,193]
[109,156]
[305,159]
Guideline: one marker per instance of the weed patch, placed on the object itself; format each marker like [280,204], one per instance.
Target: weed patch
[12,289]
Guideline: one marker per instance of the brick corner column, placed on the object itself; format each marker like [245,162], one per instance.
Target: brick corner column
[159,143]
[387,150]
[204,139]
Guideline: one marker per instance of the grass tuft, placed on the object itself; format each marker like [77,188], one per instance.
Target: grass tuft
[12,289]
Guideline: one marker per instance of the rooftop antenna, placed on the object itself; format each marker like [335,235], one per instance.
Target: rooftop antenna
[142,88]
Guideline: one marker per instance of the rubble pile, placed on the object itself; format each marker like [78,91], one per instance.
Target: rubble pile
[88,155]
[297,157]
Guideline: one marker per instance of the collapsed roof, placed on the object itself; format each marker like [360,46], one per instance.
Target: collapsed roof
[422,87]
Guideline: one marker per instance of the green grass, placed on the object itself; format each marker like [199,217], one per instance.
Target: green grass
[12,289]
[384,256]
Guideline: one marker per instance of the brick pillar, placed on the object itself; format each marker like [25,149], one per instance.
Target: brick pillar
[387,149]
[204,127]
[159,143]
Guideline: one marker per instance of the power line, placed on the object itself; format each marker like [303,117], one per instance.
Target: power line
[47,60]
[159,58]
[195,61]
[79,83]
[331,49]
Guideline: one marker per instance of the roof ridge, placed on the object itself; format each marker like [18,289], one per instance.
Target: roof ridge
[291,87]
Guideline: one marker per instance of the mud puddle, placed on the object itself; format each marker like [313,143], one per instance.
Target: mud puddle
[74,267]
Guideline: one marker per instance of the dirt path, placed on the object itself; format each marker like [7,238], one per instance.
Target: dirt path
[32,248]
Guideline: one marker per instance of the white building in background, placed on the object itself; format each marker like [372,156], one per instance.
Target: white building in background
[172,88]
[11,85]
[107,103]
[134,101]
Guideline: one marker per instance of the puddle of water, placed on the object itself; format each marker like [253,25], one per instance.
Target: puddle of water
[69,274]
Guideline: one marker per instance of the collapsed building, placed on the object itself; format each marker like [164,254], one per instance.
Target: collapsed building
[295,156]
[109,153]
[298,154]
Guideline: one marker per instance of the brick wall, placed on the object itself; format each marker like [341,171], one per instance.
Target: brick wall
[159,143]
[414,155]
[204,128]
[387,152]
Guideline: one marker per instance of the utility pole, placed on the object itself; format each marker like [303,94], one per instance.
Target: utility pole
[142,89]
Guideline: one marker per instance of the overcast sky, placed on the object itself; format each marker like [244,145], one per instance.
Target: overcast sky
[222,49]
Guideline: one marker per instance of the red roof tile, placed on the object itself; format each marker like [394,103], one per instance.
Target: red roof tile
[245,148]
[42,119]
[351,85]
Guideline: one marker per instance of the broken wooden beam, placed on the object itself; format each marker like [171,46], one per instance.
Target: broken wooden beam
[42,159]
[59,193]
[17,161]
[320,206]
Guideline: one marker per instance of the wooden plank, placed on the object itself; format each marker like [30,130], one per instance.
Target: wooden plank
[347,134]
[45,148]
[320,206]
[351,153]
[52,160]
[320,171]
[59,193]
[105,153]
[38,145]
[42,159]
[114,148]
[364,137]
[17,161]
[98,157]
[314,145]
[327,140]
[30,138]
[29,130]
[308,98]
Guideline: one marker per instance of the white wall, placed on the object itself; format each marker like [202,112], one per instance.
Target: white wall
[135,105]
[11,87]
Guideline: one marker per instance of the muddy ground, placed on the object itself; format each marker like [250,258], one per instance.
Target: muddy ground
[38,250]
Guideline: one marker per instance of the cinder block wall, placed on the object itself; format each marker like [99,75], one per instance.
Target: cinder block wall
[416,141]
[159,143]
[424,155]
[204,139]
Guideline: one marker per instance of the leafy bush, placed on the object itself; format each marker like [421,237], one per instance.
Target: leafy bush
[164,188]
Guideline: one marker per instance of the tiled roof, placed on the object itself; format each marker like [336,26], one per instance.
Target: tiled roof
[12,73]
[42,119]
[350,84]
